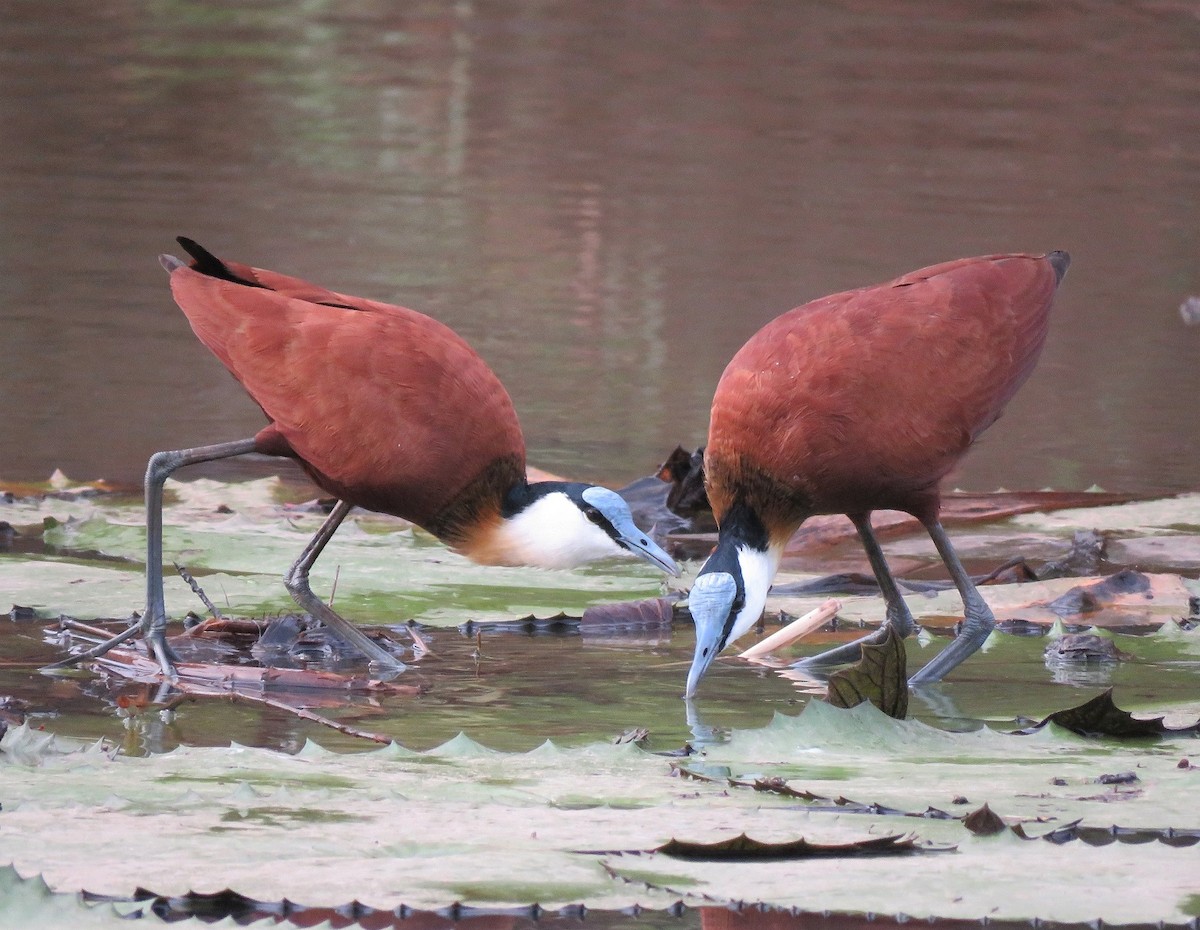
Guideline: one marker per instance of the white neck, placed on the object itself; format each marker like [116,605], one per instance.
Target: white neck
[758,571]
[553,533]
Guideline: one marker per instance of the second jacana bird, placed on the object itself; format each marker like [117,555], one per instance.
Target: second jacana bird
[385,409]
[856,402]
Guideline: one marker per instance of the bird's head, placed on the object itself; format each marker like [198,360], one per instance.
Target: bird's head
[560,524]
[729,593]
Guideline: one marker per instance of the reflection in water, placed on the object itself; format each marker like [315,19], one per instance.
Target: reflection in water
[606,200]
[1082,674]
[703,735]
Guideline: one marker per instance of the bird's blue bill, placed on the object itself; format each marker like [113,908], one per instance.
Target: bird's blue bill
[641,545]
[711,603]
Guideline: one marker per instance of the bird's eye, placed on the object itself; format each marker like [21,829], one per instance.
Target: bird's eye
[592,513]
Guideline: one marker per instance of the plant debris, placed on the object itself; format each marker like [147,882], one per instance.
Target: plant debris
[1100,717]
[879,677]
[743,848]
[984,822]
[655,612]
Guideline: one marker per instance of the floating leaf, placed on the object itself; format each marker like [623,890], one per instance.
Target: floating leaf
[652,612]
[879,677]
[984,822]
[781,787]
[743,848]
[1090,598]
[1101,717]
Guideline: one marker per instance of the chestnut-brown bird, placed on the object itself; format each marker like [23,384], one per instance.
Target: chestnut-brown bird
[856,402]
[385,409]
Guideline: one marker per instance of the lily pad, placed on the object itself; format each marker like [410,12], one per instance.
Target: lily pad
[386,818]
[498,817]
[238,539]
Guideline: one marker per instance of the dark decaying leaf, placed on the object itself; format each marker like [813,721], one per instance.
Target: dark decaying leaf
[1083,649]
[1085,557]
[879,677]
[780,786]
[240,910]
[984,822]
[636,735]
[1101,717]
[1118,778]
[1088,599]
[742,848]
[652,612]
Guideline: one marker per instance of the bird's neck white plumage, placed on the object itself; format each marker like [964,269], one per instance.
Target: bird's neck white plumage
[758,569]
[552,532]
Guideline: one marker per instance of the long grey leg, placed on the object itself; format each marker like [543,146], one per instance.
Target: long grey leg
[154,621]
[978,619]
[296,581]
[898,615]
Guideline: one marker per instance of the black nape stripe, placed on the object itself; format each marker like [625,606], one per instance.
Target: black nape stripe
[742,524]
[208,264]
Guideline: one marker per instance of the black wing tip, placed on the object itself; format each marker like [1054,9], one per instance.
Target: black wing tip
[1060,261]
[206,263]
[201,257]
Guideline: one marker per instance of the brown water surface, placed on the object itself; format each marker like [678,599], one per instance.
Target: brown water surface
[605,199]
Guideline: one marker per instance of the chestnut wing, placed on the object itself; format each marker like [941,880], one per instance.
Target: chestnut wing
[865,399]
[388,408]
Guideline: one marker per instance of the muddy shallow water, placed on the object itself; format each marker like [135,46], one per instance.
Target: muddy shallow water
[513,688]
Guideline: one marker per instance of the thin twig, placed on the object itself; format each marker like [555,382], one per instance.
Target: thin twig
[193,692]
[196,589]
[70,623]
[97,651]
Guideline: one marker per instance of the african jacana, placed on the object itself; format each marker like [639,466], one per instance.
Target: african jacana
[856,402]
[385,409]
